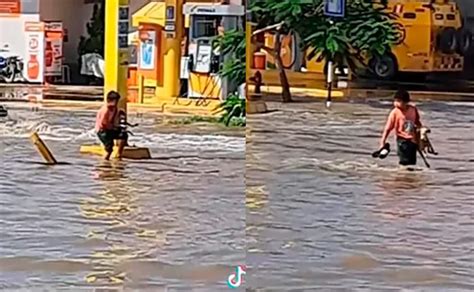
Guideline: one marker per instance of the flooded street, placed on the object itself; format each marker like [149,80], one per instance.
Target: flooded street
[323,215]
[173,223]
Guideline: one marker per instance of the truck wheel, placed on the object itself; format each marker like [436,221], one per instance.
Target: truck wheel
[384,67]
[447,41]
[464,40]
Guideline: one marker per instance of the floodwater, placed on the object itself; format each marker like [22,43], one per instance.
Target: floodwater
[323,215]
[173,223]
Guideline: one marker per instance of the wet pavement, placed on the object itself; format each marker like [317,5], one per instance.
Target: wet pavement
[323,215]
[320,213]
[172,223]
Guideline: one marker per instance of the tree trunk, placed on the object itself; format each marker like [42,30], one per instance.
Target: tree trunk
[286,94]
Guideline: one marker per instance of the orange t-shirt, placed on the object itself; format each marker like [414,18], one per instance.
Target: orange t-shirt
[105,119]
[405,122]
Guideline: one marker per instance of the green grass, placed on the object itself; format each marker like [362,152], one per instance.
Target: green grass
[193,120]
[235,122]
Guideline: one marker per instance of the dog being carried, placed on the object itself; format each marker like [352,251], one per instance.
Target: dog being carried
[412,136]
[424,143]
[123,125]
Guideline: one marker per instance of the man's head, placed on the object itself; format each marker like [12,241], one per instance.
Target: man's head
[401,98]
[112,99]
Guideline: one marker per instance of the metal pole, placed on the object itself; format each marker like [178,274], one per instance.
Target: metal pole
[248,50]
[330,77]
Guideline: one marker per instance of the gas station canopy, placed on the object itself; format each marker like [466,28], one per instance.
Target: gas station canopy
[155,12]
[152,13]
[213,9]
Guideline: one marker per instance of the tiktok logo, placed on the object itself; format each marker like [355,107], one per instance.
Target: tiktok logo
[235,280]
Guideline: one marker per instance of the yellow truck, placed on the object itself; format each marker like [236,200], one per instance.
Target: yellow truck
[434,41]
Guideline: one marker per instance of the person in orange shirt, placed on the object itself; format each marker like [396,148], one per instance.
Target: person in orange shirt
[107,126]
[405,120]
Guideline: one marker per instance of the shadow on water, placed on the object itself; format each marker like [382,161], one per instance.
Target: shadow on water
[144,225]
[322,215]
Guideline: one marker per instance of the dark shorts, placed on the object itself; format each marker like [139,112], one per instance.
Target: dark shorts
[407,151]
[107,138]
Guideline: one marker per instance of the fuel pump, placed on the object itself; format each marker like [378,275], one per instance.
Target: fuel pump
[207,22]
[206,58]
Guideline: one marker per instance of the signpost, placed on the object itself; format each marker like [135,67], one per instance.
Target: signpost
[335,8]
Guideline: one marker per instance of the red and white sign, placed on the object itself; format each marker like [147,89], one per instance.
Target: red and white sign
[53,53]
[10,7]
[34,59]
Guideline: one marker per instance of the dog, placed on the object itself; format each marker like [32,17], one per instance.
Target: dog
[124,124]
[424,142]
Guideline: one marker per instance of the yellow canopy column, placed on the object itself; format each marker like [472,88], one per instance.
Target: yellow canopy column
[116,48]
[116,69]
[248,51]
[174,29]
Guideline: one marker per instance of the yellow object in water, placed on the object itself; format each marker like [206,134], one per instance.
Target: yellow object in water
[128,152]
[43,149]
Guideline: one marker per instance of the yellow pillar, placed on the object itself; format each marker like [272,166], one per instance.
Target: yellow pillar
[116,49]
[172,55]
[248,51]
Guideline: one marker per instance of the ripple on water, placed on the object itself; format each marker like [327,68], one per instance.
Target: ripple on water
[92,224]
[334,219]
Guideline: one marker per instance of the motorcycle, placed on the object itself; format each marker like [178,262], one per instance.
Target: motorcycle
[3,111]
[11,67]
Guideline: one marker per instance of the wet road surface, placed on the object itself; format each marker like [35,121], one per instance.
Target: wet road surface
[173,223]
[323,215]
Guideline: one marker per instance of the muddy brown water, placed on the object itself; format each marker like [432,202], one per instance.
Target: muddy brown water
[323,215]
[173,223]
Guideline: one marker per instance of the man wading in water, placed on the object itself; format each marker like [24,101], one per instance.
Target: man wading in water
[405,120]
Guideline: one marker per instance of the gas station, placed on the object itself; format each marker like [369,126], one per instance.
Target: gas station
[193,35]
[174,62]
[175,49]
[168,46]
[171,61]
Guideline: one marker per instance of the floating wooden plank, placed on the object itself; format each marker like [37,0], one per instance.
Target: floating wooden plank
[128,152]
[43,150]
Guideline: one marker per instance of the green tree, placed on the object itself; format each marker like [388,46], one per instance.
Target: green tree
[232,45]
[367,31]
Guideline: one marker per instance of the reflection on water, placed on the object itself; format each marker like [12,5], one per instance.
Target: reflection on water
[323,215]
[114,206]
[174,222]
